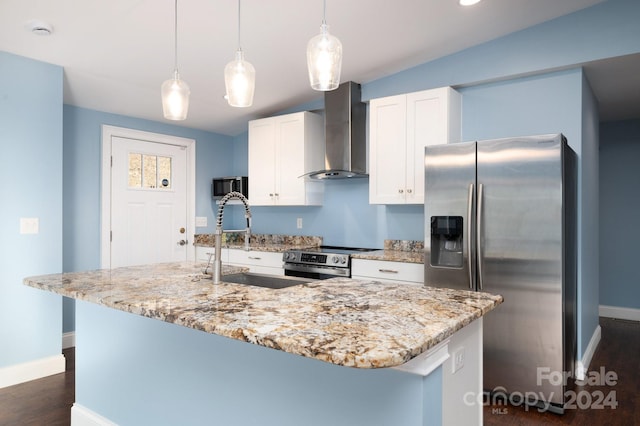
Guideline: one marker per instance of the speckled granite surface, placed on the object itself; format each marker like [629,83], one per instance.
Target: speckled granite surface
[262,242]
[342,321]
[407,251]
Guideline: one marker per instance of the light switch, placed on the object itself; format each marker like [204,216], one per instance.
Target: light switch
[201,221]
[29,225]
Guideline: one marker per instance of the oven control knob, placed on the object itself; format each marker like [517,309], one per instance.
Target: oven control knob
[335,259]
[343,260]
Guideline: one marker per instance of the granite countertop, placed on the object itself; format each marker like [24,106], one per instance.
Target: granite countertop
[260,242]
[341,321]
[406,251]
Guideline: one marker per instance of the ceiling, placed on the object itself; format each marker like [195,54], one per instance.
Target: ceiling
[117,53]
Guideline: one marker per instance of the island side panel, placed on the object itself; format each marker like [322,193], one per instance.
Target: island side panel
[136,370]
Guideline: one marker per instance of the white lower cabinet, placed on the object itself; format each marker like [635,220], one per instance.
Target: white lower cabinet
[261,262]
[386,271]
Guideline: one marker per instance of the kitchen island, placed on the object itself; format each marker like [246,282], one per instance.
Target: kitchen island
[194,367]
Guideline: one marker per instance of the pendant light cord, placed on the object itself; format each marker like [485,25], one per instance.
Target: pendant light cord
[324,12]
[239,46]
[175,36]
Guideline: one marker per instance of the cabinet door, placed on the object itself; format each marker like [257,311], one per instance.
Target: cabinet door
[290,187]
[433,118]
[426,125]
[387,156]
[262,157]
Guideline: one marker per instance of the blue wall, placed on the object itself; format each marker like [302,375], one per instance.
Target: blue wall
[588,221]
[31,187]
[619,212]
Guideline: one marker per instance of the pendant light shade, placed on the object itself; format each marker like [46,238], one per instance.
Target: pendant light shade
[239,77]
[175,98]
[175,92]
[324,59]
[240,81]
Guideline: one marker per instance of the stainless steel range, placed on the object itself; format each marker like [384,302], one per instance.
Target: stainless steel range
[320,262]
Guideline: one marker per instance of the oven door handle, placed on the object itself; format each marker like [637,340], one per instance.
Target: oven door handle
[290,269]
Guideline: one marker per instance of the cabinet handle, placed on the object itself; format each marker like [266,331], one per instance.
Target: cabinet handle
[254,258]
[270,195]
[409,191]
[400,191]
[277,195]
[388,271]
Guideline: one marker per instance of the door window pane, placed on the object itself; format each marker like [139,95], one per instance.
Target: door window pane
[149,171]
[135,170]
[149,178]
[164,172]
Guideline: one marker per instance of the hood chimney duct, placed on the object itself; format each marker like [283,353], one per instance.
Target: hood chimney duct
[345,134]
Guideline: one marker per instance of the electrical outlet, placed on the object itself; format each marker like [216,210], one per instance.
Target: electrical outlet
[299,223]
[201,221]
[29,225]
[458,359]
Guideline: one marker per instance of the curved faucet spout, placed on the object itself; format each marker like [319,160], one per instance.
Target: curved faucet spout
[217,266]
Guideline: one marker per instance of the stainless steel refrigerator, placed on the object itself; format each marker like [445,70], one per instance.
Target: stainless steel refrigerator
[501,218]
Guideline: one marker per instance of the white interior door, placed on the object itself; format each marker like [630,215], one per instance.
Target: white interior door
[148,202]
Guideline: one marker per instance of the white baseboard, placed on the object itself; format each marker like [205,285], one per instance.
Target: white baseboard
[582,366]
[620,313]
[82,416]
[31,370]
[68,339]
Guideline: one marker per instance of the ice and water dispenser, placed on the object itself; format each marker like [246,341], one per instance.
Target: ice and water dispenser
[446,241]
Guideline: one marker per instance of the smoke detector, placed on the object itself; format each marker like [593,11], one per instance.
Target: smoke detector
[39,27]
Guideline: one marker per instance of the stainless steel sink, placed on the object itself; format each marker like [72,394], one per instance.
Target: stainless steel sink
[261,280]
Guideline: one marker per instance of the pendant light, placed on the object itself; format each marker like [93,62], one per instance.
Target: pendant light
[175,92]
[324,58]
[239,77]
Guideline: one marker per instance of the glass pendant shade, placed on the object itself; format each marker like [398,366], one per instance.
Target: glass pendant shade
[175,98]
[240,81]
[324,60]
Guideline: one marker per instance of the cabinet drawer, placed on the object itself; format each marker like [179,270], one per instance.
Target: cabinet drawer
[261,262]
[383,270]
[254,257]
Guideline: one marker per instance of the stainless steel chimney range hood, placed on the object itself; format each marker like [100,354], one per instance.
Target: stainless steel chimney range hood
[345,118]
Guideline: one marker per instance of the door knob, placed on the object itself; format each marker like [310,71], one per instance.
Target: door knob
[182,242]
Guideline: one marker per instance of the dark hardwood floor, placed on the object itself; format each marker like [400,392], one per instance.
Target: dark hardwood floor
[41,402]
[48,401]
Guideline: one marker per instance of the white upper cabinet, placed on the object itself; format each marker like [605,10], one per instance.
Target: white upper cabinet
[281,149]
[400,128]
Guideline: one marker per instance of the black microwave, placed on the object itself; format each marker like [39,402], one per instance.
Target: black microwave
[224,185]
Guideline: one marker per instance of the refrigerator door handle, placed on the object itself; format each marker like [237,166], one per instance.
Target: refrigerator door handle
[479,234]
[470,251]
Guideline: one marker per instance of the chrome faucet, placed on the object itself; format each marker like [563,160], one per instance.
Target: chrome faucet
[217,265]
